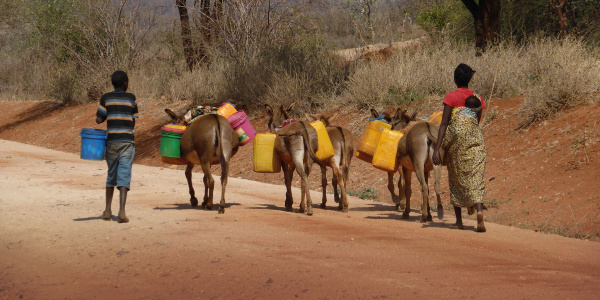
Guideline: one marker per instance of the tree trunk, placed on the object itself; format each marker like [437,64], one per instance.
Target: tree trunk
[562,17]
[186,35]
[487,22]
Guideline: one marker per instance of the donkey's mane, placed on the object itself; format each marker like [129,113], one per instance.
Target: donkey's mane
[408,127]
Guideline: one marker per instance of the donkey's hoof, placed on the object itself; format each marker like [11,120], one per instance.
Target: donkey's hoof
[344,209]
[221,210]
[207,206]
[405,215]
[440,212]
[323,205]
[301,210]
[309,212]
[424,219]
[429,218]
[194,201]
[289,208]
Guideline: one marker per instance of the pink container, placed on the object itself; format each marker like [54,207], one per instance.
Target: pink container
[241,125]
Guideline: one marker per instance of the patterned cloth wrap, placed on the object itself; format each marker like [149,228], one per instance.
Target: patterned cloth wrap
[198,111]
[465,160]
[286,122]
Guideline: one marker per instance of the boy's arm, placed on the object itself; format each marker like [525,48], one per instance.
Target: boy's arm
[101,112]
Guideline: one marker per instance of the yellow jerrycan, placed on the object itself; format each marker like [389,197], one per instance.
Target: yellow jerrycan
[385,154]
[226,110]
[435,118]
[370,139]
[325,150]
[264,159]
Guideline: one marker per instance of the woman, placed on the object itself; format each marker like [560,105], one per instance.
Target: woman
[461,138]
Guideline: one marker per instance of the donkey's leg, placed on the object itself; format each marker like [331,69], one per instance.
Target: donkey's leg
[339,177]
[224,174]
[298,159]
[210,185]
[429,217]
[419,166]
[334,183]
[324,187]
[188,176]
[391,188]
[437,173]
[406,174]
[288,173]
[401,205]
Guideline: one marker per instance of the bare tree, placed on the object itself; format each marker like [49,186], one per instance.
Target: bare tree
[486,15]
[561,12]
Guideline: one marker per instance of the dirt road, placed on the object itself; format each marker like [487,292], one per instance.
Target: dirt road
[54,245]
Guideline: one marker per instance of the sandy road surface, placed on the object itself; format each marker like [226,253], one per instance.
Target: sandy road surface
[53,244]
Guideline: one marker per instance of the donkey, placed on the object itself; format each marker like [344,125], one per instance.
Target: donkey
[209,140]
[414,155]
[295,146]
[343,148]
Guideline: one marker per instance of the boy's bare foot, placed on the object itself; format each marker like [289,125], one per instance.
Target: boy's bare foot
[107,215]
[480,223]
[456,226]
[123,218]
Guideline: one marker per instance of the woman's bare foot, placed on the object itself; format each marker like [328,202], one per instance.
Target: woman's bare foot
[480,223]
[107,215]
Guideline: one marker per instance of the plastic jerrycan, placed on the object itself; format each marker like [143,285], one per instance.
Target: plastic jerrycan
[264,159]
[385,154]
[325,150]
[370,138]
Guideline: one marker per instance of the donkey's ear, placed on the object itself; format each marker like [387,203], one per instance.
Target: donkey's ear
[269,110]
[399,113]
[310,117]
[413,116]
[374,113]
[332,116]
[290,107]
[171,114]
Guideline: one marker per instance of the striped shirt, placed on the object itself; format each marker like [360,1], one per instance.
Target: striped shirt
[119,110]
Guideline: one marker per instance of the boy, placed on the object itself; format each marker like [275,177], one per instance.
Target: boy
[119,110]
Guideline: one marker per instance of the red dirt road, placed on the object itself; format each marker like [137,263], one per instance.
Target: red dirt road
[53,244]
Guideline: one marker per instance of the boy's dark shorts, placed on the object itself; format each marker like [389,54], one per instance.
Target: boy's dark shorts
[119,158]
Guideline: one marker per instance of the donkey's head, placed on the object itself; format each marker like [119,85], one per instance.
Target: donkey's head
[174,118]
[387,115]
[325,118]
[278,116]
[401,118]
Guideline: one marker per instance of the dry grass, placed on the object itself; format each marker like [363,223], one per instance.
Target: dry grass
[550,74]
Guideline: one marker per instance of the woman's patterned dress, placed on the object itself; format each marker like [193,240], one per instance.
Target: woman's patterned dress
[465,158]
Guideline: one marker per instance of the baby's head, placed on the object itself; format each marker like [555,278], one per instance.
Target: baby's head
[472,102]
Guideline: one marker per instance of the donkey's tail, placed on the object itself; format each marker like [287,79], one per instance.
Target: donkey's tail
[219,145]
[344,159]
[430,132]
[311,151]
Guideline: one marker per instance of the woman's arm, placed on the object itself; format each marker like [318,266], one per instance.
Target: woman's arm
[441,133]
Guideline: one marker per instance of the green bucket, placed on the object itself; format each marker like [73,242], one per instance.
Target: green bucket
[170,143]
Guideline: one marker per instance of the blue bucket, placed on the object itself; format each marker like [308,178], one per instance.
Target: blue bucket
[93,143]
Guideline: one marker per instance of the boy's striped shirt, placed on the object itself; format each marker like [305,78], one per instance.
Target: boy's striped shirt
[119,109]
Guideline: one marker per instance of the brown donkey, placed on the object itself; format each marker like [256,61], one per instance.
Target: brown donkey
[209,140]
[343,148]
[295,146]
[414,155]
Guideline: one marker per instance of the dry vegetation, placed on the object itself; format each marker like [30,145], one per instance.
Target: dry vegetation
[254,62]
